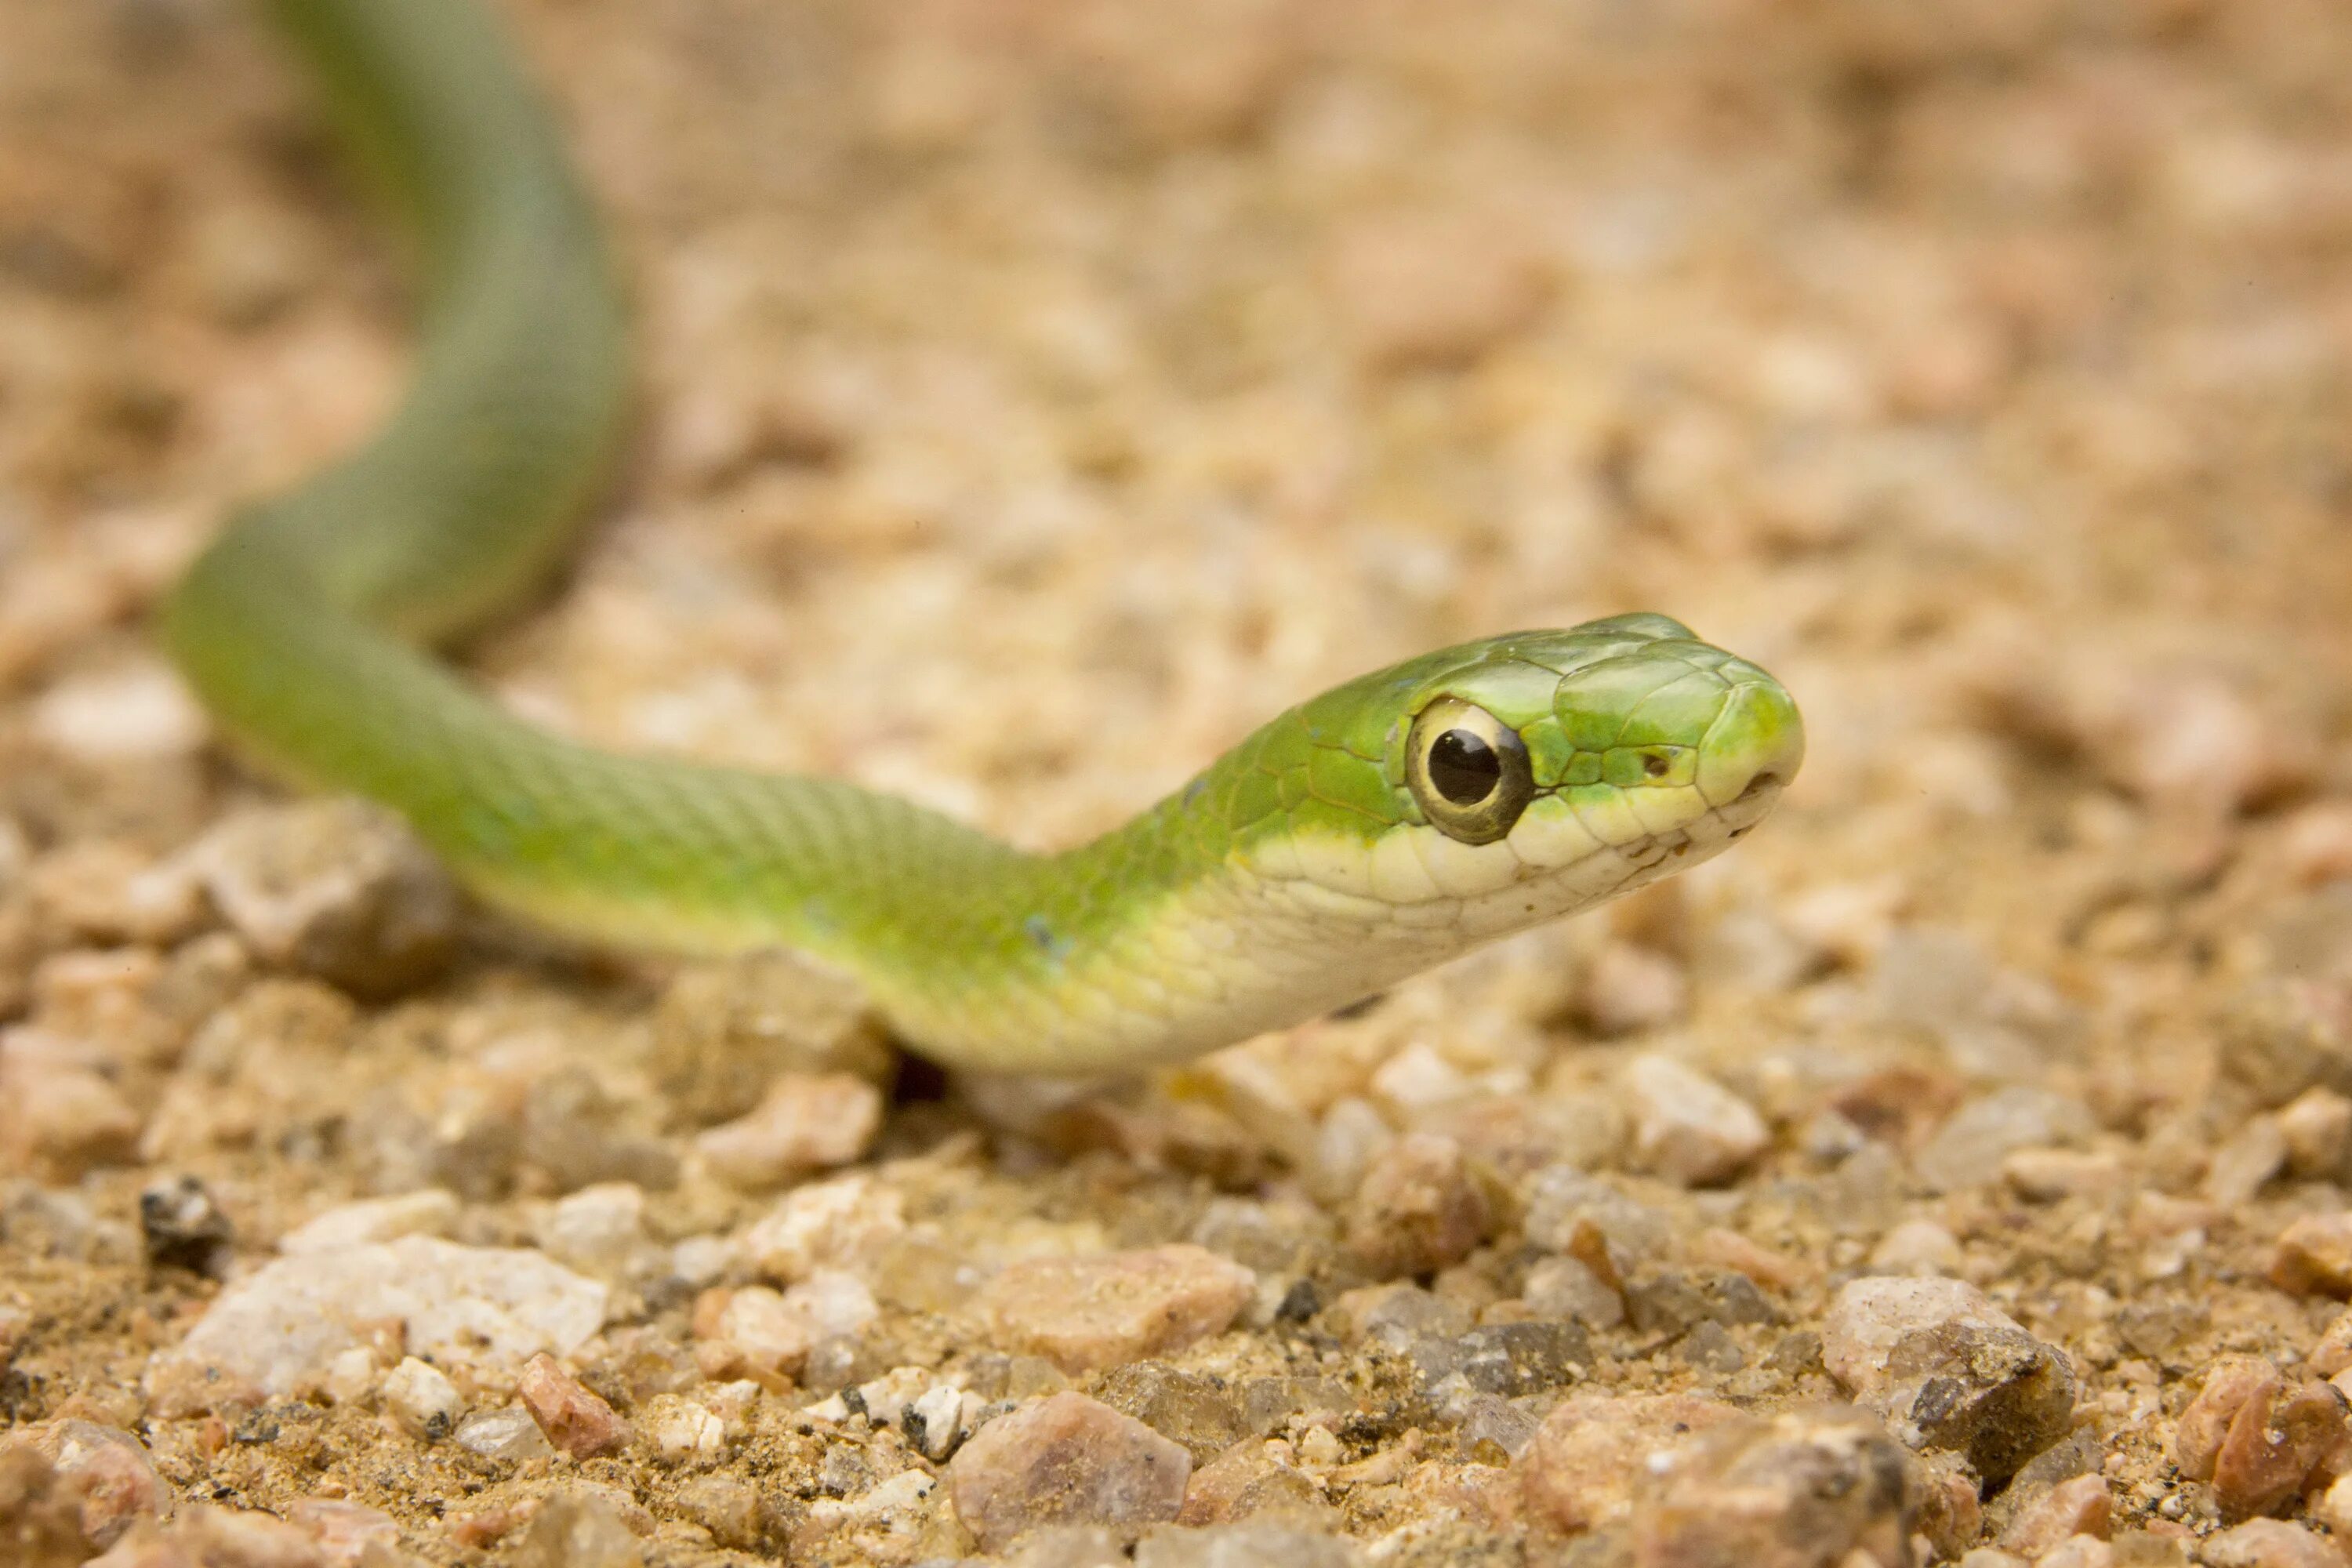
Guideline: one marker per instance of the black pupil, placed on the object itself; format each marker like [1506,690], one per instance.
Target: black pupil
[1465,769]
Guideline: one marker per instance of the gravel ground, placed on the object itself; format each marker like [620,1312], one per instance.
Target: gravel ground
[1036,398]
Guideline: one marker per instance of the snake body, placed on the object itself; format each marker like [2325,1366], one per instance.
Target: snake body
[1381,828]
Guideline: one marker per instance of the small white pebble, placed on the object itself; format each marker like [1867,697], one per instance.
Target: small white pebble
[684,1430]
[1317,1446]
[699,1260]
[935,1420]
[350,1375]
[424,1403]
[1687,1126]
[139,713]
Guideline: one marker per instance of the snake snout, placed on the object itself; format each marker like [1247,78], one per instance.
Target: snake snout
[1754,747]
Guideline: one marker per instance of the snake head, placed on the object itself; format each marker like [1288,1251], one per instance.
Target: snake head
[1503,783]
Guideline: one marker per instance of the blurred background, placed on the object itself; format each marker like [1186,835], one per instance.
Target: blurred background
[1040,393]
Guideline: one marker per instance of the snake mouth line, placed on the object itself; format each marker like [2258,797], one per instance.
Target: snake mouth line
[1750,807]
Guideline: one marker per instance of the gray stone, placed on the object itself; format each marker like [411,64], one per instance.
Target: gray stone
[1673,1304]
[1948,1369]
[1505,1358]
[1968,1149]
[1184,1406]
[1561,1198]
[335,888]
[1494,1431]
[1809,1489]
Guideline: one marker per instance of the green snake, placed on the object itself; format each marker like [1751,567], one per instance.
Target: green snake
[1385,826]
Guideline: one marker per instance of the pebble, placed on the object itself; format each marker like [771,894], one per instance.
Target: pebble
[598,1230]
[1187,1407]
[577,1131]
[934,1422]
[347,1534]
[334,888]
[1349,1137]
[833,1303]
[2053,1176]
[1808,1490]
[2244,1162]
[429,1211]
[1432,288]
[1067,1546]
[277,1331]
[60,1117]
[1630,988]
[2082,1506]
[40,1519]
[575,1419]
[2317,1125]
[2186,738]
[1249,1480]
[137,713]
[1419,1209]
[183,1227]
[1561,1199]
[427,1404]
[2334,1506]
[1583,1466]
[1418,1082]
[732,1509]
[1568,1287]
[2258,1440]
[840,1223]
[807,1121]
[1948,1369]
[579,1529]
[2314,1256]
[1675,1302]
[1086,1313]
[2078,1551]
[238,1538]
[1687,1126]
[510,1433]
[107,1470]
[1918,1247]
[1968,1149]
[683,1431]
[725,1032]
[102,890]
[2330,1355]
[1729,1249]
[1492,1431]
[762,1330]
[2230,1383]
[1250,1545]
[2280,1040]
[1505,1358]
[2269,1543]
[1066,1459]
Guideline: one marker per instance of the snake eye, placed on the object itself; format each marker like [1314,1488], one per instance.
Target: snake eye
[1468,770]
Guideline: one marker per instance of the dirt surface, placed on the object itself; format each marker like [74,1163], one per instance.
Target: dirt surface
[1038,395]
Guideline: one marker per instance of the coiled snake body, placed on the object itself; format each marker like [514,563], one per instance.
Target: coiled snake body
[1381,828]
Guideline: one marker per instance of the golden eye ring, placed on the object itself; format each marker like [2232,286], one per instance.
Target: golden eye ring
[1468,770]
